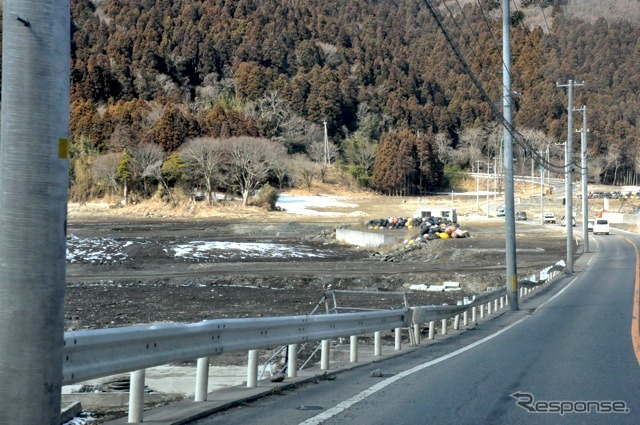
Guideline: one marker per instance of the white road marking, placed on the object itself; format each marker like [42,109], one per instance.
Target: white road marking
[375,388]
[328,414]
[558,294]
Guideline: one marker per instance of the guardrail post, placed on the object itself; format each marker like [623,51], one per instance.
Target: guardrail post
[501,303]
[465,317]
[292,360]
[474,315]
[398,338]
[481,311]
[377,343]
[495,304]
[489,308]
[444,326]
[202,379]
[416,333]
[432,327]
[252,369]
[324,355]
[136,395]
[456,322]
[353,349]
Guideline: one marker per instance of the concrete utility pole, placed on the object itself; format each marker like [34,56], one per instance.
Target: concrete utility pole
[478,187]
[495,178]
[327,159]
[34,174]
[583,162]
[510,220]
[541,192]
[548,171]
[569,175]
[488,167]
[533,182]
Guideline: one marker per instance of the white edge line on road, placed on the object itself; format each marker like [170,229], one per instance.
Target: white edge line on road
[340,407]
[558,294]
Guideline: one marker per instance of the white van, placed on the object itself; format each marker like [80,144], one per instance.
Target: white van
[601,225]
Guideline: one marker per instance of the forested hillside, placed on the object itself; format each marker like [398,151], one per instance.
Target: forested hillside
[400,112]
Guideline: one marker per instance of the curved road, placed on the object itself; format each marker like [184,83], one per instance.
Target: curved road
[569,347]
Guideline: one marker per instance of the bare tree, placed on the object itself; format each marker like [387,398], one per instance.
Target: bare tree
[279,122]
[471,145]
[121,139]
[147,160]
[248,161]
[361,151]
[271,111]
[304,171]
[613,158]
[203,157]
[298,131]
[538,140]
[595,168]
[105,170]
[444,148]
[280,164]
[316,152]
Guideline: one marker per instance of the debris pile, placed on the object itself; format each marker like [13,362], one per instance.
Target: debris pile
[430,227]
[393,223]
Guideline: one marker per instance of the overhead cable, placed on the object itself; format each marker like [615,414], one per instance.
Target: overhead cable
[518,137]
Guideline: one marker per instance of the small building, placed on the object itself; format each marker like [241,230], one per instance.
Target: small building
[444,212]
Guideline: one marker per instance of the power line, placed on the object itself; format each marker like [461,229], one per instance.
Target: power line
[544,16]
[464,16]
[462,32]
[522,20]
[477,38]
[486,22]
[518,137]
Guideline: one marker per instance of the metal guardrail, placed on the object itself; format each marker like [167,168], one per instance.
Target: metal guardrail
[103,352]
[430,313]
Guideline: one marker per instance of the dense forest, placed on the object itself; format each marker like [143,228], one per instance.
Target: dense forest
[162,90]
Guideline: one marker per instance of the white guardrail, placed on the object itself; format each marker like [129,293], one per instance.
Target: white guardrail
[103,352]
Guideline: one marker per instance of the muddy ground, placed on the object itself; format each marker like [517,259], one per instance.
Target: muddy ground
[145,265]
[142,281]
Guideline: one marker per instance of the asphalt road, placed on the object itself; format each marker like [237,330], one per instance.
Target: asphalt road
[569,345]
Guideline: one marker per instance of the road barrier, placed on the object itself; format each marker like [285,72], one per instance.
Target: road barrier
[103,352]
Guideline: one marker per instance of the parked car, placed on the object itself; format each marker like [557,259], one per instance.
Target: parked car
[548,217]
[563,222]
[601,226]
[590,225]
[521,215]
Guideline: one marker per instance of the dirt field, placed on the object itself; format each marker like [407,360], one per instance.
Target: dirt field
[144,264]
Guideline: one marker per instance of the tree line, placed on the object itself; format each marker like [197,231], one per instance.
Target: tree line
[401,115]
